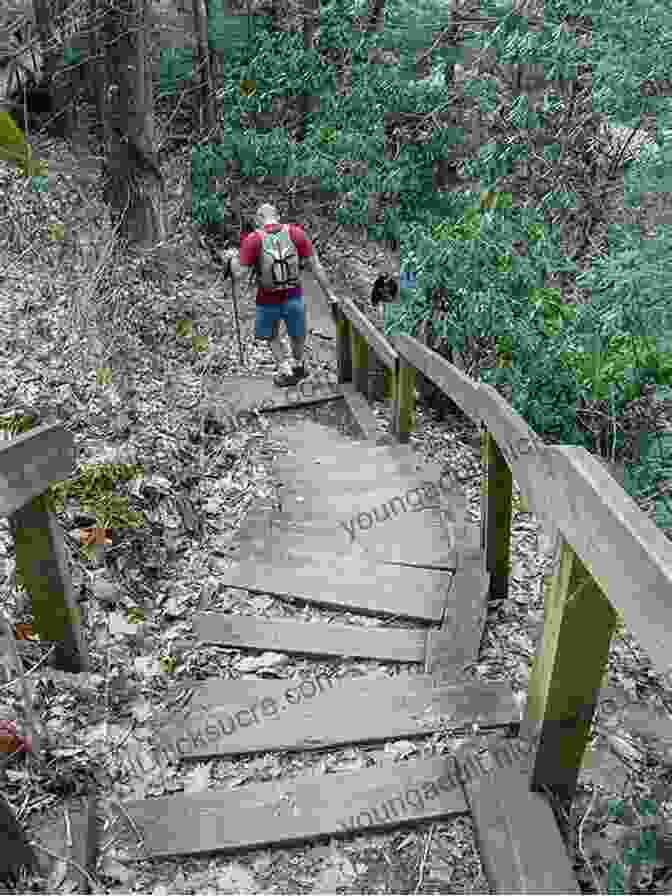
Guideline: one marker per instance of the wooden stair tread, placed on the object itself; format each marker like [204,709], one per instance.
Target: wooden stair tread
[355,583]
[325,711]
[312,638]
[424,539]
[306,807]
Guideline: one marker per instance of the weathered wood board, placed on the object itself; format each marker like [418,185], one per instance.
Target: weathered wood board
[31,462]
[344,582]
[256,715]
[458,642]
[240,394]
[312,638]
[520,845]
[423,539]
[307,807]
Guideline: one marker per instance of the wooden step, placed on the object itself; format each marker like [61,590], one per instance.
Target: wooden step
[520,845]
[426,539]
[229,718]
[312,638]
[353,583]
[307,807]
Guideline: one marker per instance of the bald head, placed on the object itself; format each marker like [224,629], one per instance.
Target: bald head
[266,214]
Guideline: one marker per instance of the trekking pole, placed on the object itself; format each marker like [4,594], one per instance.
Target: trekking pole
[235,316]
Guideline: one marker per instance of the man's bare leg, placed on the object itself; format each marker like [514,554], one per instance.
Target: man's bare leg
[278,350]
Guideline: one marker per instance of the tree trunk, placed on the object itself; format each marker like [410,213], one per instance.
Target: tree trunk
[97,52]
[204,104]
[135,183]
[311,23]
[376,15]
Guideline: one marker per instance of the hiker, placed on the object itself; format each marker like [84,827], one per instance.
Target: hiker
[274,251]
[385,290]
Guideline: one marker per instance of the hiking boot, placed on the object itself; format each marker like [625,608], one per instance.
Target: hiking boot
[300,372]
[285,380]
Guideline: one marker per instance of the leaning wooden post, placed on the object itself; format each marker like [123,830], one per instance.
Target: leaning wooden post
[29,464]
[404,403]
[43,565]
[567,676]
[496,496]
[344,356]
[360,361]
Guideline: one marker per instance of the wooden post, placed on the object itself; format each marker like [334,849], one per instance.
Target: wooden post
[43,566]
[377,379]
[343,354]
[404,404]
[568,672]
[360,362]
[496,494]
[30,463]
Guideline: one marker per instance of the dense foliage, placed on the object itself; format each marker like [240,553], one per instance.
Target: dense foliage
[551,157]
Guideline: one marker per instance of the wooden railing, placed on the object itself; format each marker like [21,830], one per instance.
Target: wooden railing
[609,555]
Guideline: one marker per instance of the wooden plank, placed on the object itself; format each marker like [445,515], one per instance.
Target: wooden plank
[15,851]
[361,413]
[289,811]
[279,540]
[43,565]
[519,841]
[456,385]
[324,712]
[563,692]
[311,440]
[458,642]
[33,461]
[348,583]
[312,638]
[375,340]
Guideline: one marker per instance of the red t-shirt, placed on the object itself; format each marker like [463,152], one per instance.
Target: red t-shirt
[250,246]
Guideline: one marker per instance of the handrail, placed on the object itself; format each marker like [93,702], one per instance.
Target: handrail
[609,556]
[375,339]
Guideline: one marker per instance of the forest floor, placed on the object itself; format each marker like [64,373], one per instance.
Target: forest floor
[67,312]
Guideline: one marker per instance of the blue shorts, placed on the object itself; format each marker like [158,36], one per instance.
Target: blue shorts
[293,312]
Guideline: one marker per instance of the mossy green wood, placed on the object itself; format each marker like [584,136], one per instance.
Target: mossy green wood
[567,675]
[496,496]
[404,408]
[360,362]
[344,359]
[43,566]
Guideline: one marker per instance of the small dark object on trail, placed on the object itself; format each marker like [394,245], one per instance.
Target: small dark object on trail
[385,289]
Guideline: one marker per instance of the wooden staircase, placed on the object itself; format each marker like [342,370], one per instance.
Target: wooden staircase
[419,566]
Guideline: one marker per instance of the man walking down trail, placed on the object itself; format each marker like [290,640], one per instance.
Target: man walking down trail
[285,303]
